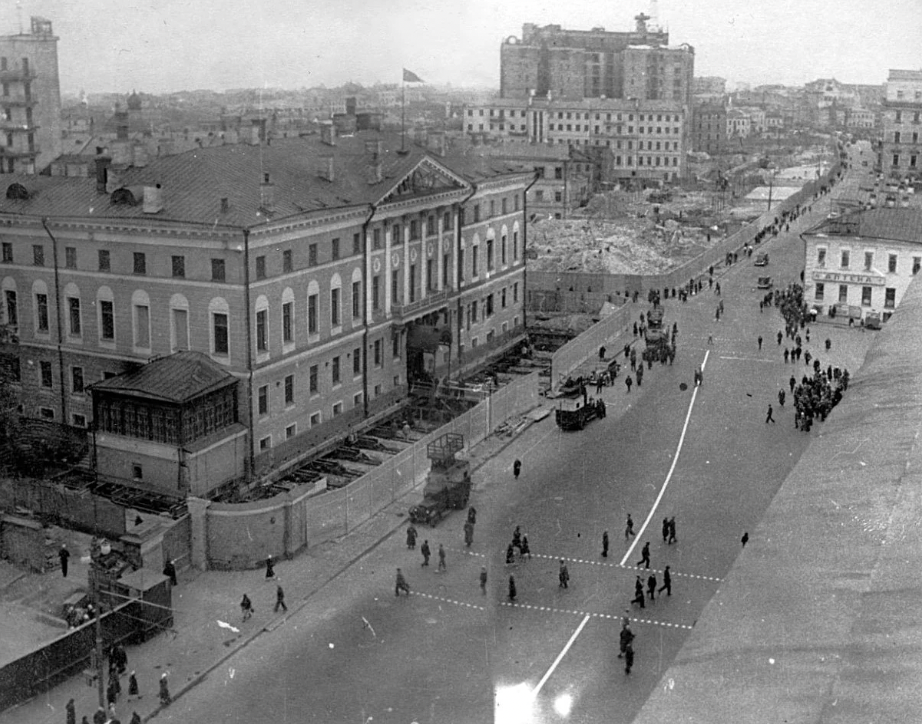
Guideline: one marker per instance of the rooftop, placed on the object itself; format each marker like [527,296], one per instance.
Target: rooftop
[181,377]
[891,224]
[194,183]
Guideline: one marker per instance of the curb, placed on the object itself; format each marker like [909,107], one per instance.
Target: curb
[277,621]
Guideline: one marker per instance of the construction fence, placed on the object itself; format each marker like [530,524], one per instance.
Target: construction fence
[586,346]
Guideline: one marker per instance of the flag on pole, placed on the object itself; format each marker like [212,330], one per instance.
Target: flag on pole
[410,77]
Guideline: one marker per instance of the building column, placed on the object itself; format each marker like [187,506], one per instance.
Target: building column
[388,292]
[440,254]
[406,262]
[198,515]
[369,275]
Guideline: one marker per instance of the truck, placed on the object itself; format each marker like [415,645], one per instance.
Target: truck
[655,336]
[448,484]
[574,414]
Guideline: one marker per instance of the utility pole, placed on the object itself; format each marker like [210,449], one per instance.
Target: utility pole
[96,551]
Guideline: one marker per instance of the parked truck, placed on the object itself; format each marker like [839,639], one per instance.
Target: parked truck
[448,485]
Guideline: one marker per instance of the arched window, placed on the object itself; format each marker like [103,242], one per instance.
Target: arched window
[357,296]
[262,325]
[288,319]
[336,296]
[105,316]
[219,318]
[179,323]
[313,309]
[72,312]
[10,303]
[41,316]
[140,319]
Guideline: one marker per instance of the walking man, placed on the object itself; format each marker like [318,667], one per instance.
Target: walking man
[563,576]
[651,586]
[411,537]
[512,591]
[468,533]
[472,515]
[667,582]
[745,539]
[628,382]
[629,528]
[442,566]
[280,598]
[401,584]
[165,698]
[483,580]
[781,396]
[638,592]
[672,538]
[524,549]
[640,376]
[605,544]
[424,549]
[246,607]
[516,468]
[629,657]
[760,342]
[64,556]
[792,383]
[270,567]
[665,530]
[768,417]
[626,637]
[645,555]
[780,337]
[133,689]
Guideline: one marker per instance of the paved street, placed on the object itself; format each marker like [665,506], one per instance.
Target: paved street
[355,651]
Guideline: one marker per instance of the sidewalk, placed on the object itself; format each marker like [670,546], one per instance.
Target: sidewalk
[198,643]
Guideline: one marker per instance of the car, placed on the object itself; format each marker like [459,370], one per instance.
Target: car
[761,259]
[764,283]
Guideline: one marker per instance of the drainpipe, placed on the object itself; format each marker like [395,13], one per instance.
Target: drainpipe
[524,246]
[249,342]
[365,321]
[57,316]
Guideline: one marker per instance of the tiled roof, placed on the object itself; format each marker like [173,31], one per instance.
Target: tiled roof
[193,183]
[178,378]
[894,224]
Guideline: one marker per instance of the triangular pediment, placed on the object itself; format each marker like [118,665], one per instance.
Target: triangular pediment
[425,178]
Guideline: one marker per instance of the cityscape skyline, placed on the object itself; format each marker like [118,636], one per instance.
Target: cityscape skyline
[220,47]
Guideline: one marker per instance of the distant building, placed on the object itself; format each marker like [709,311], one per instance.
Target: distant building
[709,128]
[647,140]
[864,258]
[30,99]
[739,124]
[710,85]
[242,304]
[900,152]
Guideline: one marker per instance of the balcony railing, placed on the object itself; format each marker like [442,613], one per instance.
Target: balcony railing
[402,311]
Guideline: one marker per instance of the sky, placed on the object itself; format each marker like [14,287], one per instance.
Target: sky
[159,46]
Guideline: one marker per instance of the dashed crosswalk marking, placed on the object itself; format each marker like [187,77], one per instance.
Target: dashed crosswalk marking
[593,614]
[465,552]
[443,599]
[606,564]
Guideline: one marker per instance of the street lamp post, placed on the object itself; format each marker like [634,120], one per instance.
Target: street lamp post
[98,549]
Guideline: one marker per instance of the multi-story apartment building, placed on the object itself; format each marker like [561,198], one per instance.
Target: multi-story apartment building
[647,140]
[709,128]
[864,258]
[30,99]
[739,124]
[900,153]
[659,73]
[305,283]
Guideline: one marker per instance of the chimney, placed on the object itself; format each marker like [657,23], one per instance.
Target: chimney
[350,105]
[139,155]
[326,169]
[102,169]
[266,194]
[375,171]
[153,199]
[113,180]
[225,205]
[374,148]
[328,134]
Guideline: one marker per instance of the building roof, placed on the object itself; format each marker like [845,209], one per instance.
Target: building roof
[193,183]
[890,224]
[179,378]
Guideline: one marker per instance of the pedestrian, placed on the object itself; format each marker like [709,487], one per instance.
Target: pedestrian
[526,551]
[651,586]
[113,689]
[133,690]
[628,658]
[638,592]
[672,538]
[745,539]
[512,591]
[424,549]
[246,607]
[760,341]
[780,337]
[135,718]
[768,417]
[100,716]
[625,638]
[121,658]
[628,382]
[828,344]
[411,537]
[639,376]
[792,383]
[517,538]
[645,555]
[442,566]
[667,582]
[601,353]
[165,698]
[468,533]
[563,575]
[635,329]
[483,580]
[665,530]
[786,354]
[270,567]
[169,570]
[401,584]
[605,544]
[472,515]
[510,554]
[280,598]
[71,712]
[84,720]
[629,527]
[64,557]
[516,469]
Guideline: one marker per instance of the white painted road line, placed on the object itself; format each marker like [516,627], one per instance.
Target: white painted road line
[463,604]
[547,674]
[675,459]
[591,614]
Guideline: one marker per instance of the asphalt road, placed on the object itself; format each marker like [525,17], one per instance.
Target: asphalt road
[356,653]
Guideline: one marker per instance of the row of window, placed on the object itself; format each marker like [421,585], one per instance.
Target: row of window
[488,306]
[913,160]
[845,260]
[575,115]
[898,117]
[899,138]
[866,292]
